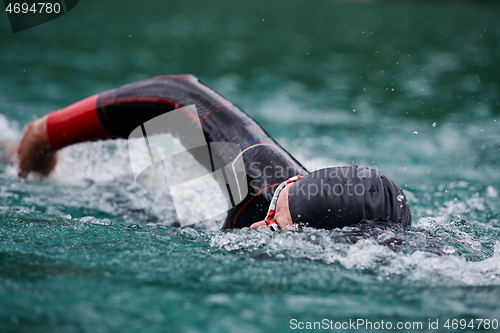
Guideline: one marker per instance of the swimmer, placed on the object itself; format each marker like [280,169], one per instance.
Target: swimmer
[281,192]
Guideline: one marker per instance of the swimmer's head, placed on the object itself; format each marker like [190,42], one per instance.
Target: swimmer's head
[341,196]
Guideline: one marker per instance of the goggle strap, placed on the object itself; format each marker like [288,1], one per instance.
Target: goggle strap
[272,206]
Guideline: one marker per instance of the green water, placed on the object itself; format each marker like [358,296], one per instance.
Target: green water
[335,83]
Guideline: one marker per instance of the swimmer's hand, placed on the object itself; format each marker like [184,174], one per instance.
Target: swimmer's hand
[257,225]
[35,154]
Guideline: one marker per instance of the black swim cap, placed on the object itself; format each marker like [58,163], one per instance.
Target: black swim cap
[340,196]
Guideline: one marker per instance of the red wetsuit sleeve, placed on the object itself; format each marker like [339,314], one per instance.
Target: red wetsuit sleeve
[76,123]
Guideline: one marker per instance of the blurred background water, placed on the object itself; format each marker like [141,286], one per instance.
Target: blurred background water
[409,87]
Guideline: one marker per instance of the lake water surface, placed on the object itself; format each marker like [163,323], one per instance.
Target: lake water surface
[411,88]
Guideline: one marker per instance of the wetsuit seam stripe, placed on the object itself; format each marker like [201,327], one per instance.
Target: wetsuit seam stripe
[212,110]
[102,112]
[248,201]
[125,100]
[250,144]
[249,141]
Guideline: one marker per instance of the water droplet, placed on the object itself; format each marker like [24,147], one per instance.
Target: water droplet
[354,110]
[434,124]
[448,249]
[491,192]
[400,197]
[415,133]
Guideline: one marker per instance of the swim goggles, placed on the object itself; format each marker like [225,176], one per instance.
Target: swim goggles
[272,206]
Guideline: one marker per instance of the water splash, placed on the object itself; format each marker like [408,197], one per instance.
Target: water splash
[424,255]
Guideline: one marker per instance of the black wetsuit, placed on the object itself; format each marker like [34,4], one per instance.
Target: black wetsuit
[267,164]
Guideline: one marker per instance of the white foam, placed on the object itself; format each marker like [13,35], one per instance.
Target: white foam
[9,130]
[366,254]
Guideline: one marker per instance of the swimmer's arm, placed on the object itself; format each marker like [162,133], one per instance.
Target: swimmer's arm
[42,138]
[114,113]
[35,153]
